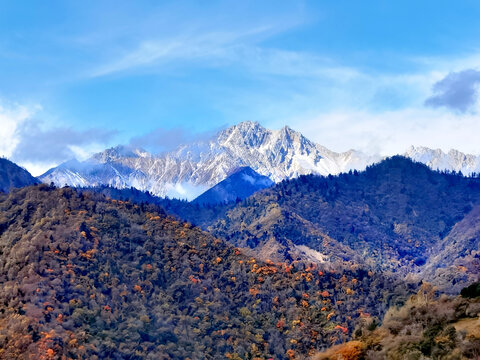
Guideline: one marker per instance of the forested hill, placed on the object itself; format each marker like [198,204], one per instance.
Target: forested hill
[394,215]
[86,277]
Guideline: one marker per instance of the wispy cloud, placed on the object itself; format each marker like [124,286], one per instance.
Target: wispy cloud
[188,46]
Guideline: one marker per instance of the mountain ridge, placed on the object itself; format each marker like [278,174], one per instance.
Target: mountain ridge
[396,215]
[192,169]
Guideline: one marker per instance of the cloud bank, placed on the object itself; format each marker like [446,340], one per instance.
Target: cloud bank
[38,146]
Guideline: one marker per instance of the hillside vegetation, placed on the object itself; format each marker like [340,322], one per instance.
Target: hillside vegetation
[87,277]
[426,327]
[395,216]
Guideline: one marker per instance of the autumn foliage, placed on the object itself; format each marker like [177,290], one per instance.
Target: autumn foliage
[86,277]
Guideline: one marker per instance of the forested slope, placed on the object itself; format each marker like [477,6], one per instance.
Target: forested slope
[394,215]
[84,276]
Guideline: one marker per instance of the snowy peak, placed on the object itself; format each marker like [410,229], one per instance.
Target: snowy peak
[192,168]
[436,159]
[249,134]
[118,153]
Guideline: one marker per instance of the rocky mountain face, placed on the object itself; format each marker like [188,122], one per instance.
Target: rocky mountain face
[13,176]
[193,168]
[238,186]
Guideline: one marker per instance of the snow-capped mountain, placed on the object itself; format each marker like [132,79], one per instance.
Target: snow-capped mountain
[193,168]
[436,159]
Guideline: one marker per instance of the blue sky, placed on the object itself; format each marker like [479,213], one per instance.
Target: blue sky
[79,76]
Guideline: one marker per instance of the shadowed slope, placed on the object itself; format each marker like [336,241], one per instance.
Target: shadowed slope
[13,176]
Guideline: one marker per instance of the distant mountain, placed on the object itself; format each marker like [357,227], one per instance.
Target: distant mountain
[13,176]
[238,186]
[193,168]
[436,159]
[397,215]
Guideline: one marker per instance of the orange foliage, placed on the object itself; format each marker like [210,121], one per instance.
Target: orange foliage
[352,350]
[253,291]
[137,288]
[291,353]
[194,280]
[344,329]
[88,254]
[50,353]
[265,270]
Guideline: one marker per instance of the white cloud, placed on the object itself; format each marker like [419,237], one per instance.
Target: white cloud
[11,117]
[38,146]
[392,132]
[187,46]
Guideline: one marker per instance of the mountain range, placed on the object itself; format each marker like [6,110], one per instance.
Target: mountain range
[193,168]
[397,215]
[273,270]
